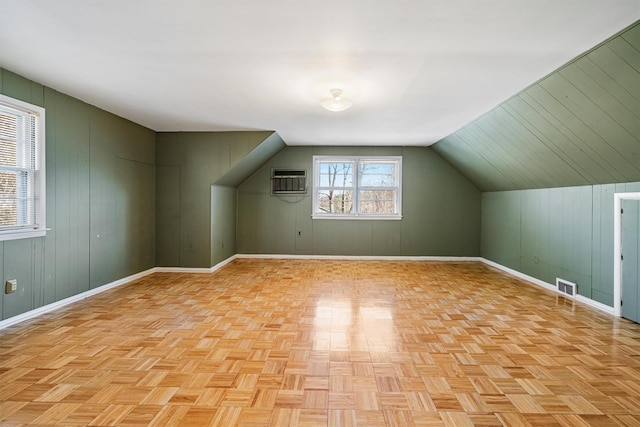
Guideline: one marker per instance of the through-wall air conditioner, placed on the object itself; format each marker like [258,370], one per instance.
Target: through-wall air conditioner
[288,181]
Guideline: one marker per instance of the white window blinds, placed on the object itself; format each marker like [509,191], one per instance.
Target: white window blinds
[21,171]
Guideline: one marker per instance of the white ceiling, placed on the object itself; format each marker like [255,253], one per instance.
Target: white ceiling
[415,70]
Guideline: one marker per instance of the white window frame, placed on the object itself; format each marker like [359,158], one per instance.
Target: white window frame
[356,187]
[39,228]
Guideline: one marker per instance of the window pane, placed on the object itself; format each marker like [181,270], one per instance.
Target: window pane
[336,174]
[8,212]
[7,153]
[378,202]
[381,174]
[8,184]
[335,201]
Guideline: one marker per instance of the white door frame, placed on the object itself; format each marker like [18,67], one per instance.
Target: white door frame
[617,247]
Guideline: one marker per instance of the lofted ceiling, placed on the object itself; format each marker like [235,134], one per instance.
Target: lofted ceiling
[415,70]
[578,126]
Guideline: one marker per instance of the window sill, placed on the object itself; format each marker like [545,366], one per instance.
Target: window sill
[24,234]
[360,217]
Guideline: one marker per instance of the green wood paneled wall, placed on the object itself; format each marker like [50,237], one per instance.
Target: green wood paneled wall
[188,163]
[441,211]
[555,232]
[578,126]
[223,223]
[100,202]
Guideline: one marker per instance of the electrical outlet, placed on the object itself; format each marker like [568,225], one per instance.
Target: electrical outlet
[536,259]
[11,286]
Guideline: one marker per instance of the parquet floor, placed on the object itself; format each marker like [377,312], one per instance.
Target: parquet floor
[323,343]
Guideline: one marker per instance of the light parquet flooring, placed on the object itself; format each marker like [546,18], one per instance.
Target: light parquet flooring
[323,343]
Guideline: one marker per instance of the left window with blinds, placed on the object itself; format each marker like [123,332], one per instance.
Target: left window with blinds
[22,170]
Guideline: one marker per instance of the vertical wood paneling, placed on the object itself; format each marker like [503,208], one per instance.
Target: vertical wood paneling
[333,237]
[18,265]
[18,255]
[529,227]
[569,230]
[79,203]
[386,239]
[583,220]
[441,211]
[49,267]
[602,247]
[37,247]
[501,217]
[441,208]
[167,215]
[543,236]
[134,200]
[72,196]
[23,89]
[81,146]
[304,227]
[223,223]
[123,188]
[102,250]
[202,158]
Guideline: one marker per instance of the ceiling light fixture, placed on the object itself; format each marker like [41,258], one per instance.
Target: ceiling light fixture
[337,103]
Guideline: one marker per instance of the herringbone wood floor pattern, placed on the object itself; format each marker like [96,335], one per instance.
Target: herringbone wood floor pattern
[323,343]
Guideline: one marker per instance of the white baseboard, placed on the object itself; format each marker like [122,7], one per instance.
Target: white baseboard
[79,297]
[361,258]
[595,304]
[588,301]
[59,304]
[195,270]
[75,298]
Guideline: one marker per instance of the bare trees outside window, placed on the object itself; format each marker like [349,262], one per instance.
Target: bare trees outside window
[357,187]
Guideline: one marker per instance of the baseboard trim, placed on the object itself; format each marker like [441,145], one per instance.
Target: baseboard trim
[84,295]
[362,258]
[70,300]
[587,301]
[218,266]
[595,304]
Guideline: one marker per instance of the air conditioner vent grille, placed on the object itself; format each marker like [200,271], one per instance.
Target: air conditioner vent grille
[288,181]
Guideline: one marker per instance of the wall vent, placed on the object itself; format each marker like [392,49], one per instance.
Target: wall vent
[288,181]
[566,288]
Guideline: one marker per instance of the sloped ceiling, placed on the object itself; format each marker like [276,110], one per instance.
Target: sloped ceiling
[239,172]
[416,70]
[580,125]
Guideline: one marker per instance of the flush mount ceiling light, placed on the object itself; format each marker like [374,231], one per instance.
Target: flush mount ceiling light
[337,103]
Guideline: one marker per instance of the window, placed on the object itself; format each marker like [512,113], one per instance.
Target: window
[357,187]
[22,201]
